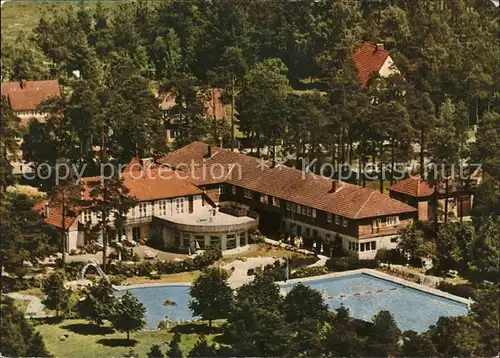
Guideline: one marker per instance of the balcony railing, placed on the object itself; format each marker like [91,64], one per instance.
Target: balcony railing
[239,212]
[139,220]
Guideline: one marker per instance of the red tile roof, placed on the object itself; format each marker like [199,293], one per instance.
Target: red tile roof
[28,95]
[286,183]
[55,215]
[214,95]
[419,188]
[151,184]
[368,59]
[413,186]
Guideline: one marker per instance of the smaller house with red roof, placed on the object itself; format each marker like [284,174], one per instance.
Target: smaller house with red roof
[25,97]
[370,58]
[210,99]
[417,192]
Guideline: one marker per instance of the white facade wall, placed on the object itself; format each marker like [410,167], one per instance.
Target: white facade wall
[388,68]
[382,242]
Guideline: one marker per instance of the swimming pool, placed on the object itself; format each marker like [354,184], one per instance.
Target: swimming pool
[363,294]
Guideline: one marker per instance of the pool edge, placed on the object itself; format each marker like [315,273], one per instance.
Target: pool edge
[386,277]
[151,284]
[369,272]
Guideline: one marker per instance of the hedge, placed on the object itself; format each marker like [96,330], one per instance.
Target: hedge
[349,263]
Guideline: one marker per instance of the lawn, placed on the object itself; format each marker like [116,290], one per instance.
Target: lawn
[34,291]
[87,340]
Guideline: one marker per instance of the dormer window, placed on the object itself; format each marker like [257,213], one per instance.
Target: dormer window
[87,216]
[142,209]
[46,209]
[392,220]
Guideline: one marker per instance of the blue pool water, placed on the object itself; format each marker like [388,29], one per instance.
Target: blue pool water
[411,308]
[153,298]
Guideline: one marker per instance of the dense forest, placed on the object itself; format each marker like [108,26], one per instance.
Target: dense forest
[286,72]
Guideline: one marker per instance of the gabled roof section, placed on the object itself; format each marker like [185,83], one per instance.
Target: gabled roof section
[153,183]
[369,58]
[282,182]
[413,186]
[212,102]
[27,95]
[55,215]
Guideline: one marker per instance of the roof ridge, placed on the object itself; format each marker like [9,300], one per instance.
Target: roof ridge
[366,201]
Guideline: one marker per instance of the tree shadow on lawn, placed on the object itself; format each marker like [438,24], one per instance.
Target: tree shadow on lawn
[193,328]
[88,329]
[117,342]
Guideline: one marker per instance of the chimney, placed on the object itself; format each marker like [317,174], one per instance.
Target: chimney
[23,84]
[209,151]
[46,209]
[146,162]
[380,47]
[335,186]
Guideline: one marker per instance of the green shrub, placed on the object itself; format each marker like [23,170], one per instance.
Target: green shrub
[349,263]
[300,260]
[116,280]
[465,291]
[392,256]
[73,270]
[308,272]
[144,268]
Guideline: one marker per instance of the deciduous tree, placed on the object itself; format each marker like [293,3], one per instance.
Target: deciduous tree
[211,295]
[128,314]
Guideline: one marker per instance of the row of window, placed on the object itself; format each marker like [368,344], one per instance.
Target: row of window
[248,194]
[301,209]
[362,247]
[304,210]
[329,218]
[30,113]
[143,209]
[199,240]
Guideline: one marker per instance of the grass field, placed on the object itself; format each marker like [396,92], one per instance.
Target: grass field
[35,291]
[24,16]
[87,340]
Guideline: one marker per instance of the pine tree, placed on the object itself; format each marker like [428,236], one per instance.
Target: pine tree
[57,295]
[9,147]
[110,200]
[17,337]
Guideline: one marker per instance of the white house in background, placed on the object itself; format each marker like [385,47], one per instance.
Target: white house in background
[370,58]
